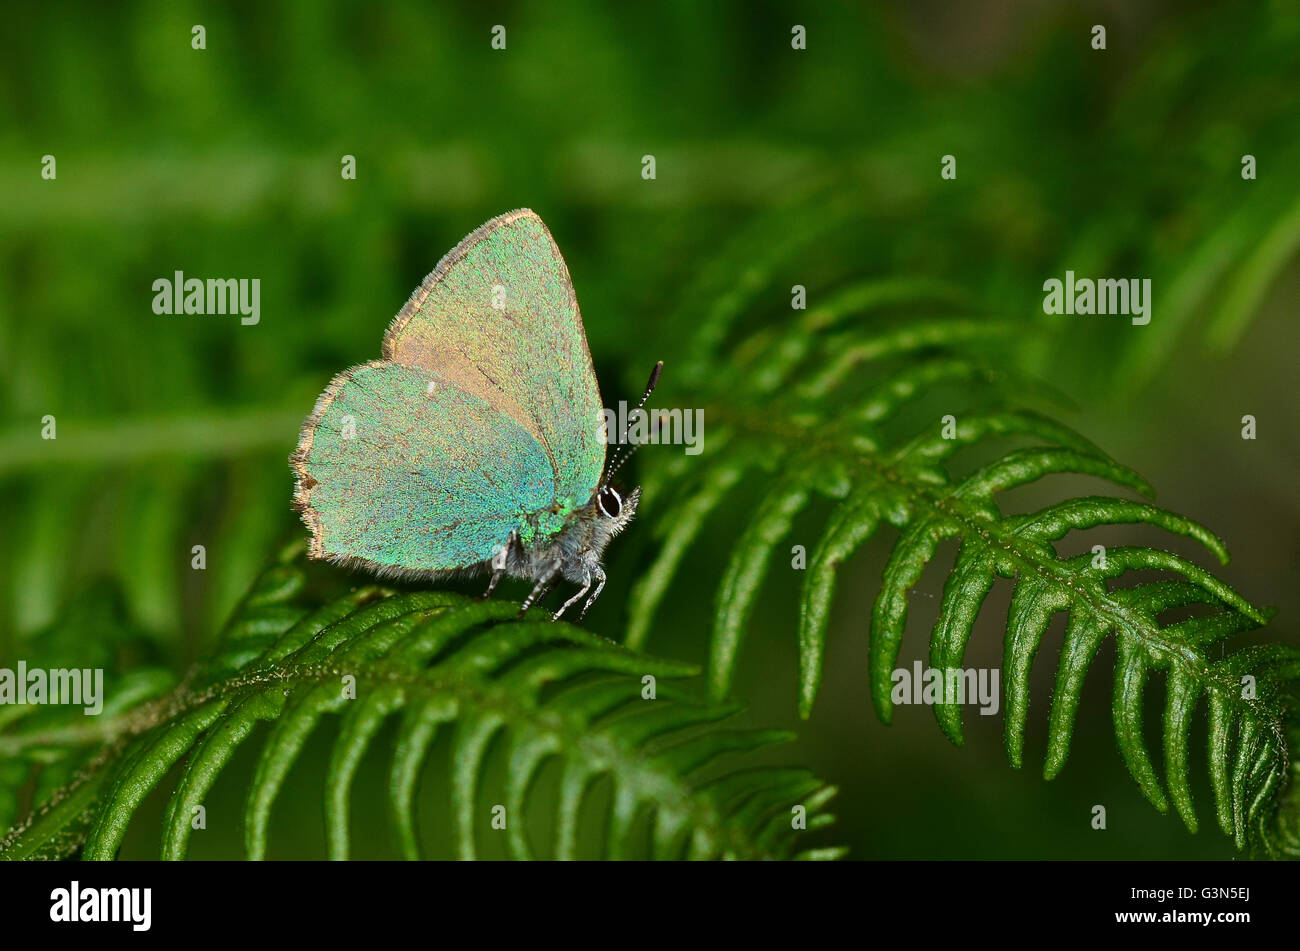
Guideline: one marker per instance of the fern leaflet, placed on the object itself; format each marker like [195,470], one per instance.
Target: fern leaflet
[792,408]
[429,660]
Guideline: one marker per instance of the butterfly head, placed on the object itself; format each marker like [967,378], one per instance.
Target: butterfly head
[616,507]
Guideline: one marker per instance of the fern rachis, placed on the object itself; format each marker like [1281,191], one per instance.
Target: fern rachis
[431,660]
[793,412]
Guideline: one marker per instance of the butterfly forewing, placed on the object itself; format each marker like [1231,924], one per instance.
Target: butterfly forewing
[499,318]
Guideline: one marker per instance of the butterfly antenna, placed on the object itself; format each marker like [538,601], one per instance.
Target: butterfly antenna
[654,425]
[621,453]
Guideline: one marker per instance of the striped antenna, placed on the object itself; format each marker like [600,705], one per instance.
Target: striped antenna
[621,453]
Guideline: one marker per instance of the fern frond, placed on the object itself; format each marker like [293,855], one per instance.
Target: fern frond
[91,633]
[430,661]
[791,413]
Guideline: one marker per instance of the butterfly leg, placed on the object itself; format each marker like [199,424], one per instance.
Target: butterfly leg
[600,584]
[497,573]
[544,584]
[498,568]
[586,586]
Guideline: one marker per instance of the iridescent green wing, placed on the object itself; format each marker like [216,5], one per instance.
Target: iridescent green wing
[401,469]
[498,316]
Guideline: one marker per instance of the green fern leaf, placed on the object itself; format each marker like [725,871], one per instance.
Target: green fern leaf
[793,413]
[433,660]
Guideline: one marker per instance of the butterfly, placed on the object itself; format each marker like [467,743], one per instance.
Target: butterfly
[478,442]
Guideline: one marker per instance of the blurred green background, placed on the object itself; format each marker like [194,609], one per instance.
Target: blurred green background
[225,162]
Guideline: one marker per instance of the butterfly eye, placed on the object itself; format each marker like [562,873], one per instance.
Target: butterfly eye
[610,503]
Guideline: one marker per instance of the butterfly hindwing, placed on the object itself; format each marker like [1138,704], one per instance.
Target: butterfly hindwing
[401,468]
[498,317]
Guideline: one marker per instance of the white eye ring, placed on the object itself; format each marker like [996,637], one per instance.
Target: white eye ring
[605,507]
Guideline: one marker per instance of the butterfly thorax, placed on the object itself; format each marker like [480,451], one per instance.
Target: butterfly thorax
[542,526]
[575,549]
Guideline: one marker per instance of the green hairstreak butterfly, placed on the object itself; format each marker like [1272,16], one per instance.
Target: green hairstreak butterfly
[478,442]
